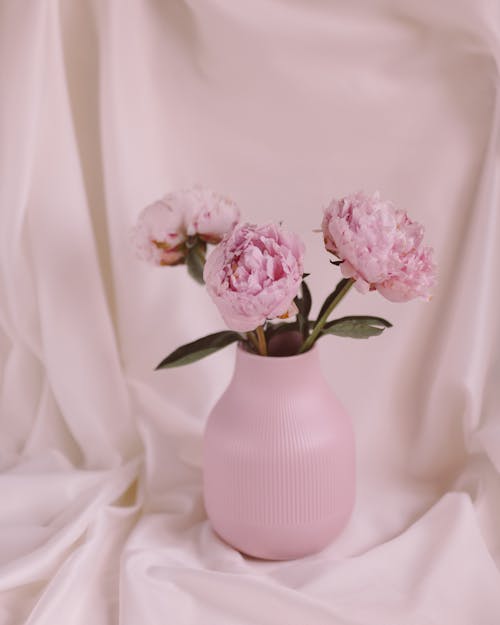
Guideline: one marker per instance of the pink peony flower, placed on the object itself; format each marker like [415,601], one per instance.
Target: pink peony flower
[254,274]
[164,227]
[159,235]
[380,246]
[209,214]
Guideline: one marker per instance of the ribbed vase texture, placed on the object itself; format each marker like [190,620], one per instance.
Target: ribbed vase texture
[279,476]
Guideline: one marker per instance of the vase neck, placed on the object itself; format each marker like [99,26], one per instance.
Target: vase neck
[278,371]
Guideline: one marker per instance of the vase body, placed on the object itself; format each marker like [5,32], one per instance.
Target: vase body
[278,458]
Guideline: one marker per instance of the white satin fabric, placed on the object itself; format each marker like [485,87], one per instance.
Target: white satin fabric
[105,106]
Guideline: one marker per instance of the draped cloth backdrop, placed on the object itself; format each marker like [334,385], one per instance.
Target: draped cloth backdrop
[106,105]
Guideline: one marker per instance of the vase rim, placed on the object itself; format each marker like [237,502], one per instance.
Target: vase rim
[248,354]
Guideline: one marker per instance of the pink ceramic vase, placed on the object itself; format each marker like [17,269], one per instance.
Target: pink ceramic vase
[279,476]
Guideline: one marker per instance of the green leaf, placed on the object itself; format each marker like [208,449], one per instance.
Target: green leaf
[306,300]
[191,352]
[195,261]
[357,327]
[278,328]
[304,307]
[331,297]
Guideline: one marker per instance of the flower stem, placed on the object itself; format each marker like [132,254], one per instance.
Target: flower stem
[199,251]
[261,337]
[311,339]
[253,340]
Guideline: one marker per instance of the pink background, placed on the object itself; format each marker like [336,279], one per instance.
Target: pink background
[107,105]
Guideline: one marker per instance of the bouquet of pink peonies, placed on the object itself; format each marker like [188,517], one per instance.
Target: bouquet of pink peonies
[255,274]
